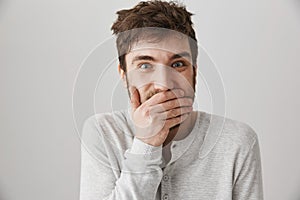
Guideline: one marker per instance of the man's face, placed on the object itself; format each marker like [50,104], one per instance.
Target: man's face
[166,64]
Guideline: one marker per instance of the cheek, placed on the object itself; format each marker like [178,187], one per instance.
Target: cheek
[139,80]
[187,82]
[188,76]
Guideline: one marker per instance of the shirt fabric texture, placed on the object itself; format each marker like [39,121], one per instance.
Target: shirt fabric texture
[218,160]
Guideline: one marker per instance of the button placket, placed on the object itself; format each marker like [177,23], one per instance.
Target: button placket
[165,185]
[166,197]
[166,177]
[174,152]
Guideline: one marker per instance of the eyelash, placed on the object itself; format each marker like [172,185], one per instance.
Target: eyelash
[182,62]
[141,64]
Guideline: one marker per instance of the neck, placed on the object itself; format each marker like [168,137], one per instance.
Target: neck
[182,130]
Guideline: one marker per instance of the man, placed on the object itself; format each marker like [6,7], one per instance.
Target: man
[161,148]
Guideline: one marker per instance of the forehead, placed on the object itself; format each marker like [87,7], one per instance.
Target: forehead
[174,43]
[171,44]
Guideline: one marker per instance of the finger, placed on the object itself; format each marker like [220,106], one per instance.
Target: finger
[135,98]
[176,120]
[171,104]
[175,112]
[177,103]
[164,96]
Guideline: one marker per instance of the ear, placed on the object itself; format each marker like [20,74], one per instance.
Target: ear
[122,75]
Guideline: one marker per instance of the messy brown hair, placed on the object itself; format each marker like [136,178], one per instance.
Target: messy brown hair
[150,14]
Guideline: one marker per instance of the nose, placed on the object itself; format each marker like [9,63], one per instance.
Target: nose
[163,79]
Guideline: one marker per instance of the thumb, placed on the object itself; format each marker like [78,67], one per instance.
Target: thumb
[135,98]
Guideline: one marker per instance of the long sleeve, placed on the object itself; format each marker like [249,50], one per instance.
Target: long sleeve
[249,185]
[140,175]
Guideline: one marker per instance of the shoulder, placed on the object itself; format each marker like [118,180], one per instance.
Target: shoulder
[108,118]
[111,121]
[239,132]
[227,133]
[113,128]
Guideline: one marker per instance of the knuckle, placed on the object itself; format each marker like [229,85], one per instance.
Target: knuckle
[172,113]
[145,112]
[172,94]
[171,103]
[162,96]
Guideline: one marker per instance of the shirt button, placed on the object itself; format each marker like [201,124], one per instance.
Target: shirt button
[166,177]
[166,197]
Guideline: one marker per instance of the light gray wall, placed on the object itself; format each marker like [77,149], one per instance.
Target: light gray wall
[255,45]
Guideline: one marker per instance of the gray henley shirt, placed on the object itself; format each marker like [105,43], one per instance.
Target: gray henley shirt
[218,160]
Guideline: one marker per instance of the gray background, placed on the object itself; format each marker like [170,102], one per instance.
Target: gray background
[255,44]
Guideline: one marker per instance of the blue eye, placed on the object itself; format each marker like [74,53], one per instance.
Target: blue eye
[177,64]
[145,66]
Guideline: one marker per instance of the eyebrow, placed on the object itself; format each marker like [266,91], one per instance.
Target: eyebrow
[181,55]
[142,57]
[150,58]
